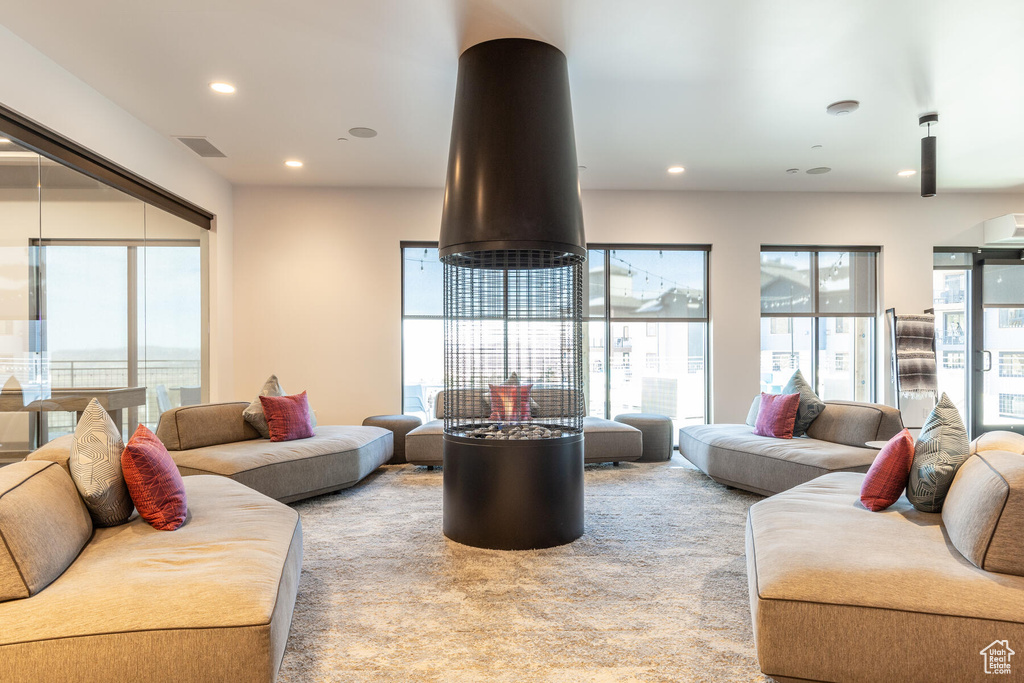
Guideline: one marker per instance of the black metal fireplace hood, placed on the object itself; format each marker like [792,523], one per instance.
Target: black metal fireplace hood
[513,179]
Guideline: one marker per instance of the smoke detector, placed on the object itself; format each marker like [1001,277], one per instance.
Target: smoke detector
[843,108]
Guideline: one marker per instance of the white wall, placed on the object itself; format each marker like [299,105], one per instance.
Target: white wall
[40,89]
[318,292]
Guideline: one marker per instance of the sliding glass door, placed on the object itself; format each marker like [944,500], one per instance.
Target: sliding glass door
[998,359]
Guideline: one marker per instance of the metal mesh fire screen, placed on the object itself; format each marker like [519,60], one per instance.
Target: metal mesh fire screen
[513,326]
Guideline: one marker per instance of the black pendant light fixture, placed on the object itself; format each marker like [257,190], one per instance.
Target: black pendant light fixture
[928,155]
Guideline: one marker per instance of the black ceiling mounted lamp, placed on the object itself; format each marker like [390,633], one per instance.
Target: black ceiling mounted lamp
[928,155]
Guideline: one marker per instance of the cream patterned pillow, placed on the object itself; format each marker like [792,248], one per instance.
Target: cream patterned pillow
[95,465]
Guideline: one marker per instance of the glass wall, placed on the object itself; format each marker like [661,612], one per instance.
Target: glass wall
[102,296]
[818,309]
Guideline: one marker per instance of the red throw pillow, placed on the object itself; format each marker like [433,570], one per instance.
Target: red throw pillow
[153,481]
[887,477]
[287,417]
[777,415]
[510,402]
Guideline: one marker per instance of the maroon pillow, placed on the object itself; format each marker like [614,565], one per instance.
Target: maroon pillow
[287,417]
[153,481]
[777,415]
[510,402]
[888,474]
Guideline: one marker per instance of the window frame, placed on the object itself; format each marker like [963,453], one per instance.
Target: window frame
[816,315]
[607,319]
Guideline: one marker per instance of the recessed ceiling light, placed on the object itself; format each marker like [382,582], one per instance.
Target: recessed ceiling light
[818,171]
[342,139]
[293,163]
[815,146]
[792,170]
[907,173]
[843,107]
[362,132]
[676,169]
[222,88]
[582,168]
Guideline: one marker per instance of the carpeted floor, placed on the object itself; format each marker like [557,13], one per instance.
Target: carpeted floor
[655,590]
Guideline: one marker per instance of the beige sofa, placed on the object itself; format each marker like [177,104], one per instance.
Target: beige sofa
[211,601]
[733,455]
[603,440]
[839,593]
[214,438]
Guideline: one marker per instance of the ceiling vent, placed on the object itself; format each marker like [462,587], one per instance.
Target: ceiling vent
[201,146]
[1008,229]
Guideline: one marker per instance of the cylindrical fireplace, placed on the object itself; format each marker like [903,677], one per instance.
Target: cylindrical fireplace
[513,251]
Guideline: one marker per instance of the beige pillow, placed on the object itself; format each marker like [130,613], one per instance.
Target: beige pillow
[95,466]
[44,525]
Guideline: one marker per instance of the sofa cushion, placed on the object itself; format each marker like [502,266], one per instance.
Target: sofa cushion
[603,441]
[998,441]
[207,424]
[810,405]
[831,582]
[334,457]
[95,465]
[211,602]
[58,450]
[777,415]
[462,403]
[287,417]
[984,511]
[734,455]
[43,526]
[854,423]
[940,450]
[887,477]
[154,481]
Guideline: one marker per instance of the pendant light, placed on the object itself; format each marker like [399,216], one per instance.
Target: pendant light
[928,155]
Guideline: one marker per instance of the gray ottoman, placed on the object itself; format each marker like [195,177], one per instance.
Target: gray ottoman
[400,425]
[657,434]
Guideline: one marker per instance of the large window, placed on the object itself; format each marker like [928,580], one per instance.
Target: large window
[818,308]
[647,340]
[647,325]
[102,296]
[422,328]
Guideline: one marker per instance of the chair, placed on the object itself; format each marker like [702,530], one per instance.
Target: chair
[163,399]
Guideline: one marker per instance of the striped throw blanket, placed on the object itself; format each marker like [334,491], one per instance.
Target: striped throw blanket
[915,356]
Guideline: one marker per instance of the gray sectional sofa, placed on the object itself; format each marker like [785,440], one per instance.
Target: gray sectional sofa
[840,593]
[211,601]
[214,438]
[733,455]
[603,440]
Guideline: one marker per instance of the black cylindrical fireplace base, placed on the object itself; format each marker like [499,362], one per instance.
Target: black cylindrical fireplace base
[513,495]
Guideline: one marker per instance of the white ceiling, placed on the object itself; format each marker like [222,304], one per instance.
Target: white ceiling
[734,90]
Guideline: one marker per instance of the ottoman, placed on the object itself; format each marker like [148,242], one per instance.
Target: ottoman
[656,431]
[400,425]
